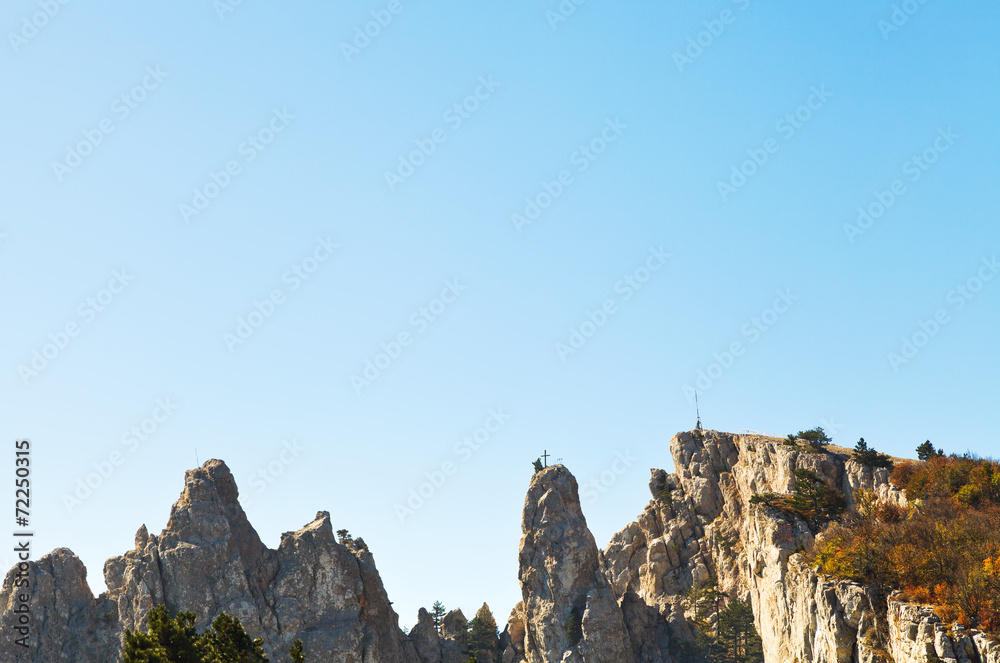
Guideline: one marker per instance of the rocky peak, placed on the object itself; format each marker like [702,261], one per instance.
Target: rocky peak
[579,604]
[448,646]
[700,523]
[209,559]
[562,581]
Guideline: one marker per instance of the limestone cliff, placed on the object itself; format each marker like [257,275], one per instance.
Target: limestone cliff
[579,604]
[701,523]
[209,560]
[562,581]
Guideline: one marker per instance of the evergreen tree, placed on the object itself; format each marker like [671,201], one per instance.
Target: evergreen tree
[814,497]
[483,640]
[177,641]
[296,652]
[926,451]
[704,600]
[867,456]
[168,640]
[345,539]
[737,636]
[538,465]
[437,614]
[227,642]
[816,438]
[574,627]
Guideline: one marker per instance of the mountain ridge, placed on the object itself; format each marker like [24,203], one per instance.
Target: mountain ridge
[627,597]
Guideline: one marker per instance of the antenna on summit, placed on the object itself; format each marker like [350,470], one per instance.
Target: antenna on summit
[697,426]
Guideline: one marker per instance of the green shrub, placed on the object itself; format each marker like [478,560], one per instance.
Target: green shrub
[574,627]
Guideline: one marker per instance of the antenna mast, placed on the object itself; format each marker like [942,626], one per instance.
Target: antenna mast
[697,412]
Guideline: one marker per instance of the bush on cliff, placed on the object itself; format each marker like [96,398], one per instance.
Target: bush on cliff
[944,549]
[815,438]
[813,499]
[866,455]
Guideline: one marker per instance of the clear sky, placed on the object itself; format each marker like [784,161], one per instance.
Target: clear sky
[543,230]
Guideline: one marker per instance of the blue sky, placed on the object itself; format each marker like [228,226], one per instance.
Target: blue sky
[735,140]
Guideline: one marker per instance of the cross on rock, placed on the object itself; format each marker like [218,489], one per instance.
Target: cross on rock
[545,456]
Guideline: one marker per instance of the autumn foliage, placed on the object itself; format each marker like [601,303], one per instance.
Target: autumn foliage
[943,549]
[972,481]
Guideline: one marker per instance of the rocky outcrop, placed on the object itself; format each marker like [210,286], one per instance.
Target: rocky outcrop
[917,634]
[700,523]
[579,604]
[66,624]
[209,560]
[562,581]
[448,646]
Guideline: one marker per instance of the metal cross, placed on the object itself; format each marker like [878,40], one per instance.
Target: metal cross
[545,455]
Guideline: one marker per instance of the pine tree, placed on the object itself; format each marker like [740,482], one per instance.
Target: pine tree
[816,438]
[483,641]
[814,497]
[168,640]
[437,614]
[177,641]
[867,456]
[737,636]
[227,642]
[926,451]
[296,652]
[574,627]
[537,465]
[704,600]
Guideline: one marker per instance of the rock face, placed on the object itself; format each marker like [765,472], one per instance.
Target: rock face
[448,646]
[562,580]
[579,604]
[67,624]
[700,524]
[209,560]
